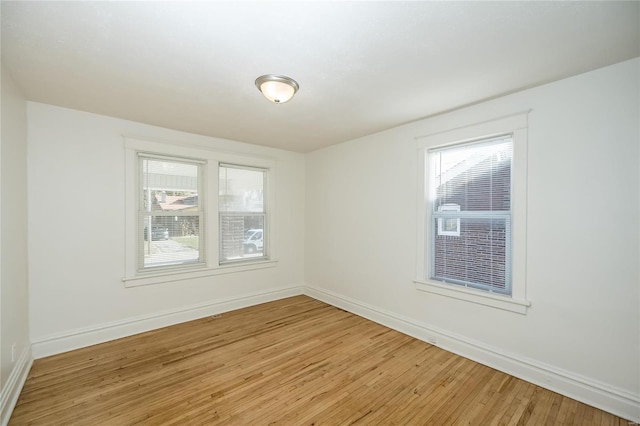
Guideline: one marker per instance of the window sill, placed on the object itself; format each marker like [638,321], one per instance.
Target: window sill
[475,296]
[180,275]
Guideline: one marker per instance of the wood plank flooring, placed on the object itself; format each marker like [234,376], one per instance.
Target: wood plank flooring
[296,361]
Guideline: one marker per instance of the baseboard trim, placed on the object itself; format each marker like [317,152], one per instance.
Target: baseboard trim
[15,382]
[83,337]
[600,395]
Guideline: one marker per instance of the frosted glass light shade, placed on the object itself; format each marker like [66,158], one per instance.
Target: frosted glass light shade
[277,88]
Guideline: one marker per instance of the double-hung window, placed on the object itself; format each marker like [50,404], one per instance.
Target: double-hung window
[472,213]
[470,206]
[170,216]
[242,213]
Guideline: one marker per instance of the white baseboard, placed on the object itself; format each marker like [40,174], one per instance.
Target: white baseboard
[600,395]
[80,338]
[13,386]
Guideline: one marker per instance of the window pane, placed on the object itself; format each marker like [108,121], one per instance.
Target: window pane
[241,190]
[477,257]
[169,185]
[173,240]
[242,237]
[476,177]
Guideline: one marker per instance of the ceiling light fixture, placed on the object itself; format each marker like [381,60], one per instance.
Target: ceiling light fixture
[277,88]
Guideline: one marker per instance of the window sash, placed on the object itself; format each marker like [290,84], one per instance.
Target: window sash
[253,257]
[471,284]
[222,205]
[174,260]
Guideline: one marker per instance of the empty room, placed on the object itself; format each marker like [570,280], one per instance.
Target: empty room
[320,213]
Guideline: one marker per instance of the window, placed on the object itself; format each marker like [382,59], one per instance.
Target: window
[470,199]
[170,212]
[192,211]
[472,206]
[448,225]
[242,213]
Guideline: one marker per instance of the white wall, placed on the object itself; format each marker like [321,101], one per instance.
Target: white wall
[15,355]
[582,333]
[76,169]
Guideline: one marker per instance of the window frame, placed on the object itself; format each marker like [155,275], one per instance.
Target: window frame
[442,215]
[201,212]
[515,125]
[211,157]
[265,214]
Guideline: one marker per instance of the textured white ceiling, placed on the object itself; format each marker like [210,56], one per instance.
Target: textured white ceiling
[362,66]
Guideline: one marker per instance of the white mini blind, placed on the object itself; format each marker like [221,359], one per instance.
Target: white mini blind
[470,207]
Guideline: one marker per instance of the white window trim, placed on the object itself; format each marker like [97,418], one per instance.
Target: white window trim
[515,125]
[133,277]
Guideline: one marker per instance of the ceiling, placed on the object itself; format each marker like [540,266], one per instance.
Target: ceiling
[362,66]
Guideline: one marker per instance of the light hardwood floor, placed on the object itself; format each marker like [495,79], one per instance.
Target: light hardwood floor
[296,361]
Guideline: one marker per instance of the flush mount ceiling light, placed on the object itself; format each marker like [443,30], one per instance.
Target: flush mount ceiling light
[277,88]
